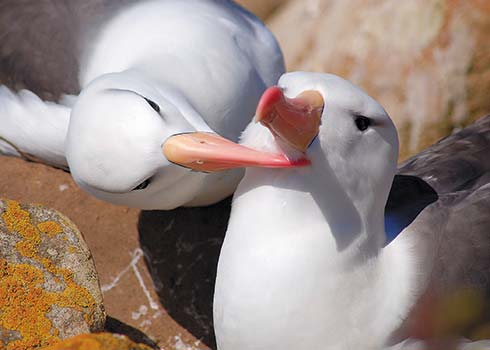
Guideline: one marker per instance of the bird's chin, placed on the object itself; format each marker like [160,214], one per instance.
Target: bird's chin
[165,192]
[258,137]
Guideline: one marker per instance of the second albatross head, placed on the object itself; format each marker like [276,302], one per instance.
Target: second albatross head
[114,145]
[309,119]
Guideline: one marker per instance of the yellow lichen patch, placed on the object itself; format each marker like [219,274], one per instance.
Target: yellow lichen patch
[23,301]
[50,228]
[24,305]
[98,341]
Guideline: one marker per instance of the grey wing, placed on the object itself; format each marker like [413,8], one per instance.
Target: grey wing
[456,223]
[41,42]
[455,233]
[459,162]
[38,47]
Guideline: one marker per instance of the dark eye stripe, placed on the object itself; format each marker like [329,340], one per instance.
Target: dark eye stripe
[142,185]
[362,122]
[153,105]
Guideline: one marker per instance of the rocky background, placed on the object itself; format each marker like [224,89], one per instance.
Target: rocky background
[426,61]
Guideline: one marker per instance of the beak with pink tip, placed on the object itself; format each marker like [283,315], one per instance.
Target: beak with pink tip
[293,120]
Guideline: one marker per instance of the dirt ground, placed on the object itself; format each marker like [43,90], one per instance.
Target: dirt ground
[181,259]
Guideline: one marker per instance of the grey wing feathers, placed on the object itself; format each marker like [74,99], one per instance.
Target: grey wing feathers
[458,162]
[41,42]
[38,47]
[457,225]
[457,228]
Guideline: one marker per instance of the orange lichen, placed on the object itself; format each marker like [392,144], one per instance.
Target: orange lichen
[98,341]
[24,305]
[23,301]
[50,228]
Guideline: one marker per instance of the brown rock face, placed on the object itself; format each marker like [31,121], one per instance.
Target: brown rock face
[48,285]
[426,61]
[100,341]
[261,8]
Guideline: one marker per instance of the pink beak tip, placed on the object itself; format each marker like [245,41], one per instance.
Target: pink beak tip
[302,162]
[269,98]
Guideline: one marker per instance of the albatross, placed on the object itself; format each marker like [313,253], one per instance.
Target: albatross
[98,86]
[307,261]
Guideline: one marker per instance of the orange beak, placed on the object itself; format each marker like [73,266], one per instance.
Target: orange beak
[296,121]
[210,152]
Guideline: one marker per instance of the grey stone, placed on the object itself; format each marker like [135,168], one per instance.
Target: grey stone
[49,288]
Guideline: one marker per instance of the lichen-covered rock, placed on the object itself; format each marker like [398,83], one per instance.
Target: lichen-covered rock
[48,285]
[426,61]
[98,341]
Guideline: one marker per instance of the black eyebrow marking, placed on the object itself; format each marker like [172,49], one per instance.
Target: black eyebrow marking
[153,104]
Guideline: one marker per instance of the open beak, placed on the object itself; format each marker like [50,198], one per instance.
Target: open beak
[296,121]
[210,152]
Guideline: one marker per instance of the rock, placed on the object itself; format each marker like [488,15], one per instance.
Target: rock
[261,8]
[48,284]
[111,232]
[98,341]
[426,61]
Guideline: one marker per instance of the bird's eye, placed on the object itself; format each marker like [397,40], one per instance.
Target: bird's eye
[142,185]
[153,105]
[362,122]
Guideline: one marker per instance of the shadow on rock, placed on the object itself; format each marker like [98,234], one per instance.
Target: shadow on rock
[181,249]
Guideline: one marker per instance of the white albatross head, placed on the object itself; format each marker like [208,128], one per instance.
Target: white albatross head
[299,264]
[312,119]
[114,142]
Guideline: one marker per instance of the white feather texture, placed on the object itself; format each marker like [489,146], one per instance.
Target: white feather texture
[303,264]
[203,63]
[32,128]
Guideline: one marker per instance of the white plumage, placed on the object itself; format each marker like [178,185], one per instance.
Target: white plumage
[305,265]
[204,64]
